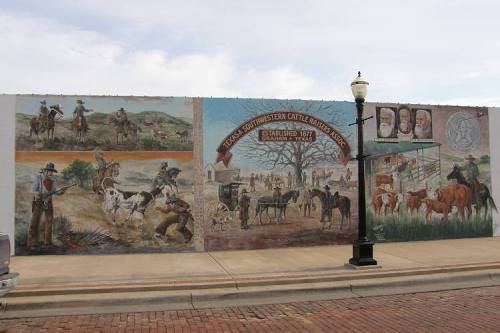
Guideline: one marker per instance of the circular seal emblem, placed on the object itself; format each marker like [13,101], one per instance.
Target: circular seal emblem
[463,132]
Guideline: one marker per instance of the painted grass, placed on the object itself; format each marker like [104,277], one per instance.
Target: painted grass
[406,228]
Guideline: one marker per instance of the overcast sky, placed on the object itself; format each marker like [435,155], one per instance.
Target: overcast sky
[444,52]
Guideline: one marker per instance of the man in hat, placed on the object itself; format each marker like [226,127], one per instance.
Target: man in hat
[252,182]
[43,113]
[44,188]
[183,214]
[121,117]
[307,202]
[244,204]
[471,169]
[79,114]
[326,211]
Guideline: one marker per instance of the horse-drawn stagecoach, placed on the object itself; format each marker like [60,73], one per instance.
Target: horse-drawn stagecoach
[226,207]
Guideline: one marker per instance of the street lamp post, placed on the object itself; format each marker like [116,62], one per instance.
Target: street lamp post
[362,248]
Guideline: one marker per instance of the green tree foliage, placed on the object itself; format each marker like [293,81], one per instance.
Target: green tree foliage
[485,159]
[78,171]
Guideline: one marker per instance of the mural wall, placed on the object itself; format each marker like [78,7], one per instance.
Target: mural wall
[103,174]
[98,174]
[278,173]
[428,172]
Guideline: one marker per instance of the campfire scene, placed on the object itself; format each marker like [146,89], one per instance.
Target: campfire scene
[84,123]
[103,202]
[435,188]
[278,173]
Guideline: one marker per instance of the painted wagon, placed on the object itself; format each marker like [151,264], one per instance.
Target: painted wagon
[225,210]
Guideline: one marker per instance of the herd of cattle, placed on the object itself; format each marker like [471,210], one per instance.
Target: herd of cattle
[443,201]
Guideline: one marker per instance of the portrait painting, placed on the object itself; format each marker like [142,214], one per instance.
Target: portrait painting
[422,128]
[386,122]
[404,121]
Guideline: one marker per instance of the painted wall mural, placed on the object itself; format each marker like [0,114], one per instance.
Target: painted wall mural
[113,175]
[101,174]
[278,173]
[428,172]
[107,123]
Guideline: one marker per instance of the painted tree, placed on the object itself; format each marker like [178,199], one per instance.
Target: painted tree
[78,171]
[297,156]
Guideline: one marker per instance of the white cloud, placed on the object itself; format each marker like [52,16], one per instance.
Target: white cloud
[411,52]
[45,57]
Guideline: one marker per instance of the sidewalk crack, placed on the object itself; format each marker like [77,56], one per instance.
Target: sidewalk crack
[225,270]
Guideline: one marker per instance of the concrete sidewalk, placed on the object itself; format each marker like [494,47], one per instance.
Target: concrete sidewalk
[79,284]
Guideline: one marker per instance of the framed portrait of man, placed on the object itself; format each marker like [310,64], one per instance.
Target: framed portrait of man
[404,121]
[422,124]
[386,123]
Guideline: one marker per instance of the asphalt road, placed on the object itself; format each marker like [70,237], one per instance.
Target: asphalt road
[464,310]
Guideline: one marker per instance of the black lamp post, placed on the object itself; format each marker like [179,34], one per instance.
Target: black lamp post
[362,249]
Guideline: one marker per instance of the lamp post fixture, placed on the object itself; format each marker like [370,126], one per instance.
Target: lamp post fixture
[362,248]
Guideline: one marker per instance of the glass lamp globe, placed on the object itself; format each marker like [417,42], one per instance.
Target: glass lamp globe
[359,87]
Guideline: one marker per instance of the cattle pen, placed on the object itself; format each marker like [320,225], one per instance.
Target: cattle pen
[404,165]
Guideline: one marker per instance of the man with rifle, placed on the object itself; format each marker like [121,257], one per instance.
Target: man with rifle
[43,190]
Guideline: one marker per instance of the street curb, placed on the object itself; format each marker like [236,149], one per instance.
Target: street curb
[249,294]
[237,282]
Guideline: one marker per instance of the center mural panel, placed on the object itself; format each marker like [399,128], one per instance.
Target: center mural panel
[278,173]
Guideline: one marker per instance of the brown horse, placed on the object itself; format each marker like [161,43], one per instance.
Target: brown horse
[35,126]
[41,124]
[342,203]
[480,193]
[457,195]
[55,111]
[80,127]
[121,129]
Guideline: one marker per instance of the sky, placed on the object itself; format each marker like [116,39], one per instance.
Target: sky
[430,52]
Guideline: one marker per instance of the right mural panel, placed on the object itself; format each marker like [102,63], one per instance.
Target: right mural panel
[428,172]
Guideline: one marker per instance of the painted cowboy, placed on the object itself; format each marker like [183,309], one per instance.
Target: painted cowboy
[327,208]
[79,114]
[44,188]
[182,212]
[121,117]
[43,112]
[244,204]
[471,174]
[289,180]
[252,182]
[165,176]
[471,169]
[307,202]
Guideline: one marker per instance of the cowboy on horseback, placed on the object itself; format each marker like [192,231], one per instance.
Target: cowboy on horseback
[43,113]
[327,208]
[79,115]
[471,174]
[121,117]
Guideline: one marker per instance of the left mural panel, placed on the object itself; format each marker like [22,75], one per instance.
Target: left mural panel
[103,175]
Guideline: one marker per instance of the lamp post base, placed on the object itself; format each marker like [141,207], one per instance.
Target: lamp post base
[362,253]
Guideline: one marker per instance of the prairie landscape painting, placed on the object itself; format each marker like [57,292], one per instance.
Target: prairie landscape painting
[278,173]
[68,123]
[121,206]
